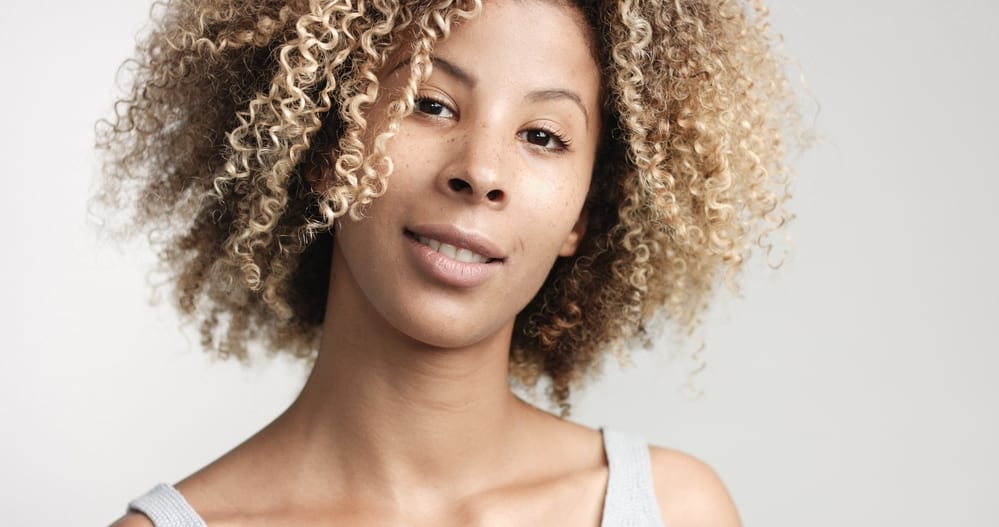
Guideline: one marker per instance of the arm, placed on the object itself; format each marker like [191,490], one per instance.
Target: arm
[689,492]
[133,519]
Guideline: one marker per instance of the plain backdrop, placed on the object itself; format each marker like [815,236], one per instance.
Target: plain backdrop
[854,386]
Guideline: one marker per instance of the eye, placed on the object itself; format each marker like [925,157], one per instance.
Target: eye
[434,107]
[547,139]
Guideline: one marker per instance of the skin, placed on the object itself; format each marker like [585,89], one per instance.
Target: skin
[407,417]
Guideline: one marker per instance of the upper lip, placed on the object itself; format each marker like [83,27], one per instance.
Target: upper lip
[460,238]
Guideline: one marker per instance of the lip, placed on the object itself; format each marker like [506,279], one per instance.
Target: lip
[460,238]
[449,271]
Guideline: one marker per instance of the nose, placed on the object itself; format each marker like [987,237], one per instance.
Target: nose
[460,185]
[477,171]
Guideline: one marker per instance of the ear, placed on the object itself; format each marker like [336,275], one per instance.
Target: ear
[575,236]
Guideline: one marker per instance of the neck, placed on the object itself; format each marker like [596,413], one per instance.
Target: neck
[383,413]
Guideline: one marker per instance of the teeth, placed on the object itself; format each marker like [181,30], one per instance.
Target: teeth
[448,250]
[434,244]
[452,252]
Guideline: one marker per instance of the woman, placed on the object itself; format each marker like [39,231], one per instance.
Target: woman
[430,199]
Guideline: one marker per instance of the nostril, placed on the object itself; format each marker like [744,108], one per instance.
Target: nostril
[494,195]
[459,185]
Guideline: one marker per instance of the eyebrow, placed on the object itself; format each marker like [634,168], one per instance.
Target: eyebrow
[535,96]
[463,76]
[455,71]
[550,95]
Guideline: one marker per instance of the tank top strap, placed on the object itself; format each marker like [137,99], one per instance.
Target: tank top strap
[630,500]
[166,507]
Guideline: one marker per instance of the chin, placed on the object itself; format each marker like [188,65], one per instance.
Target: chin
[455,332]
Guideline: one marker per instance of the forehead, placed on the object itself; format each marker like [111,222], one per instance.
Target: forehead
[584,13]
[533,41]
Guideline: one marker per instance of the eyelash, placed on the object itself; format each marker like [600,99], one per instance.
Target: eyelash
[563,143]
[427,98]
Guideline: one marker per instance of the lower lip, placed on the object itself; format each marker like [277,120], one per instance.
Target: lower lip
[448,270]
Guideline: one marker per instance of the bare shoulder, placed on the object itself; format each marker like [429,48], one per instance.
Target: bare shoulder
[689,492]
[133,519]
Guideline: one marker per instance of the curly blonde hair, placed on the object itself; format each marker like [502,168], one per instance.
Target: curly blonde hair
[232,104]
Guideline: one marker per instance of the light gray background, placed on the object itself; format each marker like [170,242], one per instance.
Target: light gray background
[854,387]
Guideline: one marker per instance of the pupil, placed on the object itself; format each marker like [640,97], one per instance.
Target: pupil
[431,107]
[538,137]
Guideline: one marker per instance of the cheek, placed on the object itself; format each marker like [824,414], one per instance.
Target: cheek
[549,218]
[565,200]
[359,239]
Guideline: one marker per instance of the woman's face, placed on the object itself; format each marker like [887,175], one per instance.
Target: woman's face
[490,175]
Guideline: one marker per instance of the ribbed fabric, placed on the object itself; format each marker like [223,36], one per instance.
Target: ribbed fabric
[630,500]
[166,508]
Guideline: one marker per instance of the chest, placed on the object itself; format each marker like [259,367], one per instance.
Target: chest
[574,502]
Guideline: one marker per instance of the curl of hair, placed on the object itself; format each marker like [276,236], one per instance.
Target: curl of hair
[232,104]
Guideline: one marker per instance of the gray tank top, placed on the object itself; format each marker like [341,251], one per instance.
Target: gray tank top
[629,502]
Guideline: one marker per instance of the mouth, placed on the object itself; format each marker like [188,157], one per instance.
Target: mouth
[456,250]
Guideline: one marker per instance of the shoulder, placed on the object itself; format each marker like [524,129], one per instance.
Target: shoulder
[133,519]
[689,492]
